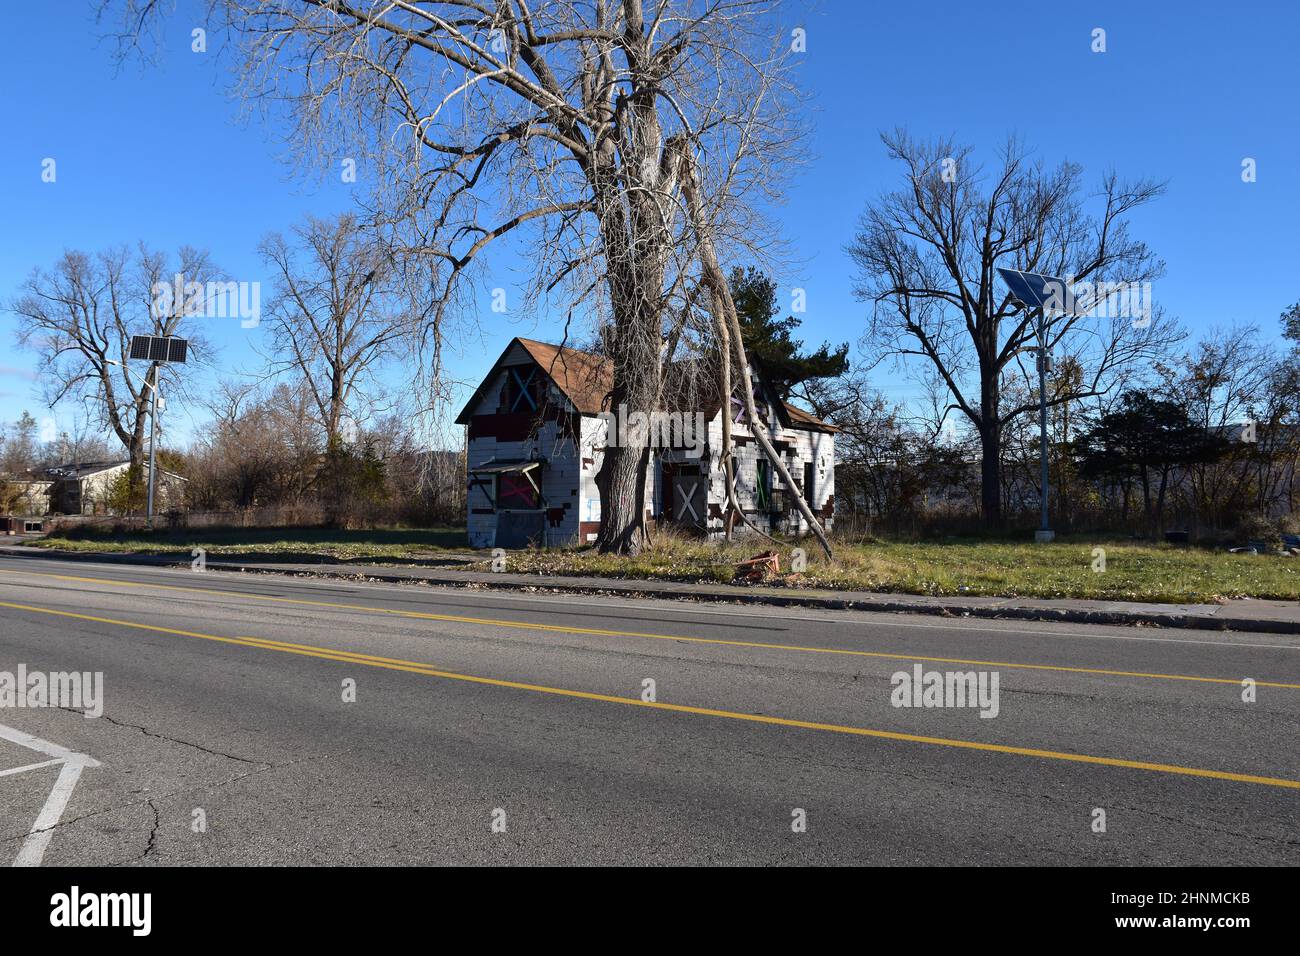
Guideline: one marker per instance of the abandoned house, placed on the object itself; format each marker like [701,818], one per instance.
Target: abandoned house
[84,488]
[538,424]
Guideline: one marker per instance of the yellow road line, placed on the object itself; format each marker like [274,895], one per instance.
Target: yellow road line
[602,632]
[415,667]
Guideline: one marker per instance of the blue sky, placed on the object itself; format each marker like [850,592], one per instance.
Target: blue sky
[159,153]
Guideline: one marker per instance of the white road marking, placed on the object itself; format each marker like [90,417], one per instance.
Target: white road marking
[30,766]
[38,838]
[33,849]
[23,739]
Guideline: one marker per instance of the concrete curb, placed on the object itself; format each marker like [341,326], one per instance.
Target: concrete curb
[991,608]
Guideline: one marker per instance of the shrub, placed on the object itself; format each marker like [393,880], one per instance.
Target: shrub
[1289,524]
[127,493]
[1258,528]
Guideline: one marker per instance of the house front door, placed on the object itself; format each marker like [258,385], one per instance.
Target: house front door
[690,494]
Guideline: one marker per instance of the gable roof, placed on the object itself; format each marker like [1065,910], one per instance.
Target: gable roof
[85,469]
[587,380]
[584,378]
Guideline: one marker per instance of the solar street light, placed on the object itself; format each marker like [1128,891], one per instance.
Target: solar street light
[159,350]
[1036,293]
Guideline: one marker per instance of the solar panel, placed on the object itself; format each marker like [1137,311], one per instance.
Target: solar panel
[1034,290]
[158,348]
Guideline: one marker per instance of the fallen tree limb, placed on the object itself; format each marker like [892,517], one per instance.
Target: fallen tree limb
[723,308]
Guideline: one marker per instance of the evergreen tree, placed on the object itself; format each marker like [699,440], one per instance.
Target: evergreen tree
[1145,439]
[770,341]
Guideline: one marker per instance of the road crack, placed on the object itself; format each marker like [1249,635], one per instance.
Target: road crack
[153,831]
[175,740]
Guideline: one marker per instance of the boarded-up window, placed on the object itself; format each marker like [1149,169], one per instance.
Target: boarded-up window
[523,391]
[516,491]
[764,482]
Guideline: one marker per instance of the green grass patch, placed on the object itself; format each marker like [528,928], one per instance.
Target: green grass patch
[1062,569]
[958,566]
[275,542]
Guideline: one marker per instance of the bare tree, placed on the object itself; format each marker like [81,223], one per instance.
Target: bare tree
[335,316]
[83,441]
[259,448]
[1226,385]
[926,257]
[547,122]
[80,315]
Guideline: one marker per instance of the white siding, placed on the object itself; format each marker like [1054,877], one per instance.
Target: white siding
[569,473]
[560,475]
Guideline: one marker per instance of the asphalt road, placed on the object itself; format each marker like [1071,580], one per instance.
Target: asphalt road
[492,728]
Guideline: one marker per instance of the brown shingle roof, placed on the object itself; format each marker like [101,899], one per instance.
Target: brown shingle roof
[587,379]
[584,378]
[806,420]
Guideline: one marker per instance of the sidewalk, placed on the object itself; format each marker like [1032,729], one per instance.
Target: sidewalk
[1278,617]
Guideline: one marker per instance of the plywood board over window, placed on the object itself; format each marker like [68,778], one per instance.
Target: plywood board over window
[516,492]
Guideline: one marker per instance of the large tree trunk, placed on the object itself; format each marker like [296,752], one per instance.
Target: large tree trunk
[135,446]
[636,248]
[135,450]
[622,520]
[621,479]
[990,432]
[991,475]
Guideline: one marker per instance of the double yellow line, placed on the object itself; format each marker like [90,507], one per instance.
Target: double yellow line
[415,667]
[602,632]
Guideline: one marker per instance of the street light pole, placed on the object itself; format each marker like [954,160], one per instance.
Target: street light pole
[153,441]
[156,349]
[1036,293]
[1044,531]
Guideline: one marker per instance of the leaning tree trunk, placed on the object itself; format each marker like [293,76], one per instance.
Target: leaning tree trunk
[726,460]
[725,312]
